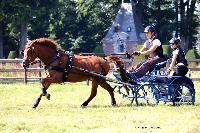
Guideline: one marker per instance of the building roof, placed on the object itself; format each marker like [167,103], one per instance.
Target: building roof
[127,22]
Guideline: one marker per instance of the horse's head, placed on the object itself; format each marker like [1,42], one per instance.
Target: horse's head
[43,48]
[29,54]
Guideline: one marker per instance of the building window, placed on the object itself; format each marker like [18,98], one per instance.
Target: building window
[128,29]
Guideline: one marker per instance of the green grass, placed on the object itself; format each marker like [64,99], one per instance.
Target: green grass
[63,114]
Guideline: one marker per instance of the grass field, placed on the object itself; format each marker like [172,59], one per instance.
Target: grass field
[63,114]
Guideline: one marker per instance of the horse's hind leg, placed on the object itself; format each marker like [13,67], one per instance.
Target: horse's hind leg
[106,86]
[93,92]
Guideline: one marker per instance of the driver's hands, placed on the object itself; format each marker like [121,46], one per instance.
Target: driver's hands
[136,53]
[128,55]
[168,71]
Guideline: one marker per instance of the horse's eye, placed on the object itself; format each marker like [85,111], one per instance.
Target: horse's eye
[22,52]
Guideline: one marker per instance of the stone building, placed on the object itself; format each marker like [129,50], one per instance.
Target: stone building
[126,31]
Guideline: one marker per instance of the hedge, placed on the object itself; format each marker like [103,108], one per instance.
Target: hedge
[12,55]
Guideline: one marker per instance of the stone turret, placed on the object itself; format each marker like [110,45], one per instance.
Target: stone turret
[126,31]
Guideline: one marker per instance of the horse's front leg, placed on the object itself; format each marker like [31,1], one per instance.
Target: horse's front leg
[45,85]
[37,101]
[44,88]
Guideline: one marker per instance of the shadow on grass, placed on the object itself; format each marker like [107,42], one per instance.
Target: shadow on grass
[95,106]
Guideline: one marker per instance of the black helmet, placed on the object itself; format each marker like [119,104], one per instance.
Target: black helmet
[149,28]
[175,40]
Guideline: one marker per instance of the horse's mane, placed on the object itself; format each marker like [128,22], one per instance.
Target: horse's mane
[46,42]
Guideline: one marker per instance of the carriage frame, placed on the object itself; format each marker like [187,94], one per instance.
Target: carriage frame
[156,87]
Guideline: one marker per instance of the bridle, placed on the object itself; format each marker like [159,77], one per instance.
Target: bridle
[32,51]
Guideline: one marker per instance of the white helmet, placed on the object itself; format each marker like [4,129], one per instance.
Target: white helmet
[175,40]
[149,28]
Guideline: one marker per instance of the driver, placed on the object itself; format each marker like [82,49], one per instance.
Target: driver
[153,49]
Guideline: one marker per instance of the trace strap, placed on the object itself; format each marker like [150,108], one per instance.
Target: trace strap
[102,77]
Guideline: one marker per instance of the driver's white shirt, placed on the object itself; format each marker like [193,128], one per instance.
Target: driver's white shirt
[149,43]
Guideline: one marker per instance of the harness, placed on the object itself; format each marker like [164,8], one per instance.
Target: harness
[65,69]
[69,65]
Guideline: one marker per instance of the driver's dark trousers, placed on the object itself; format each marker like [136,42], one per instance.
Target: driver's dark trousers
[142,68]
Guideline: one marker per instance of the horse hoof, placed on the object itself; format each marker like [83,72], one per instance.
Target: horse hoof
[113,103]
[84,104]
[48,96]
[36,103]
[128,93]
[34,106]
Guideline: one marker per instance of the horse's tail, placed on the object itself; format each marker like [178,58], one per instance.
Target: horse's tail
[120,64]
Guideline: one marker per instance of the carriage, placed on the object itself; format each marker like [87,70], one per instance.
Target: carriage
[156,87]
[60,67]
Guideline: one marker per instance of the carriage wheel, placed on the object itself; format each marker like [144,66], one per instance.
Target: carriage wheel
[141,96]
[130,95]
[182,91]
[144,96]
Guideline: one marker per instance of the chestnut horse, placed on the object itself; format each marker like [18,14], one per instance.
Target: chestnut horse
[61,67]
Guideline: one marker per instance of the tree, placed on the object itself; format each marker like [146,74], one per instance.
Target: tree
[159,13]
[95,17]
[170,15]
[80,25]
[188,23]
[6,28]
[3,16]
[1,39]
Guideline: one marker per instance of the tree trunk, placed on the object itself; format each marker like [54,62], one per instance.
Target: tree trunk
[187,14]
[23,35]
[1,41]
[182,24]
[190,16]
[177,19]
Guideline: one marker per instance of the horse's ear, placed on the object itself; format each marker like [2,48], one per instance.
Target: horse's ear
[22,52]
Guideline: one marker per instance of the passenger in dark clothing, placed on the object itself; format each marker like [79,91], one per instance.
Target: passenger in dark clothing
[178,59]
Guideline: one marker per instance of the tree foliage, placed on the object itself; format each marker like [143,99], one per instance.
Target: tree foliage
[80,25]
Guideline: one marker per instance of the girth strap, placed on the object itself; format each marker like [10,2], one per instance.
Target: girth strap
[57,68]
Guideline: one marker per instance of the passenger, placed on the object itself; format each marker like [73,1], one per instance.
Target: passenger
[178,59]
[153,48]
